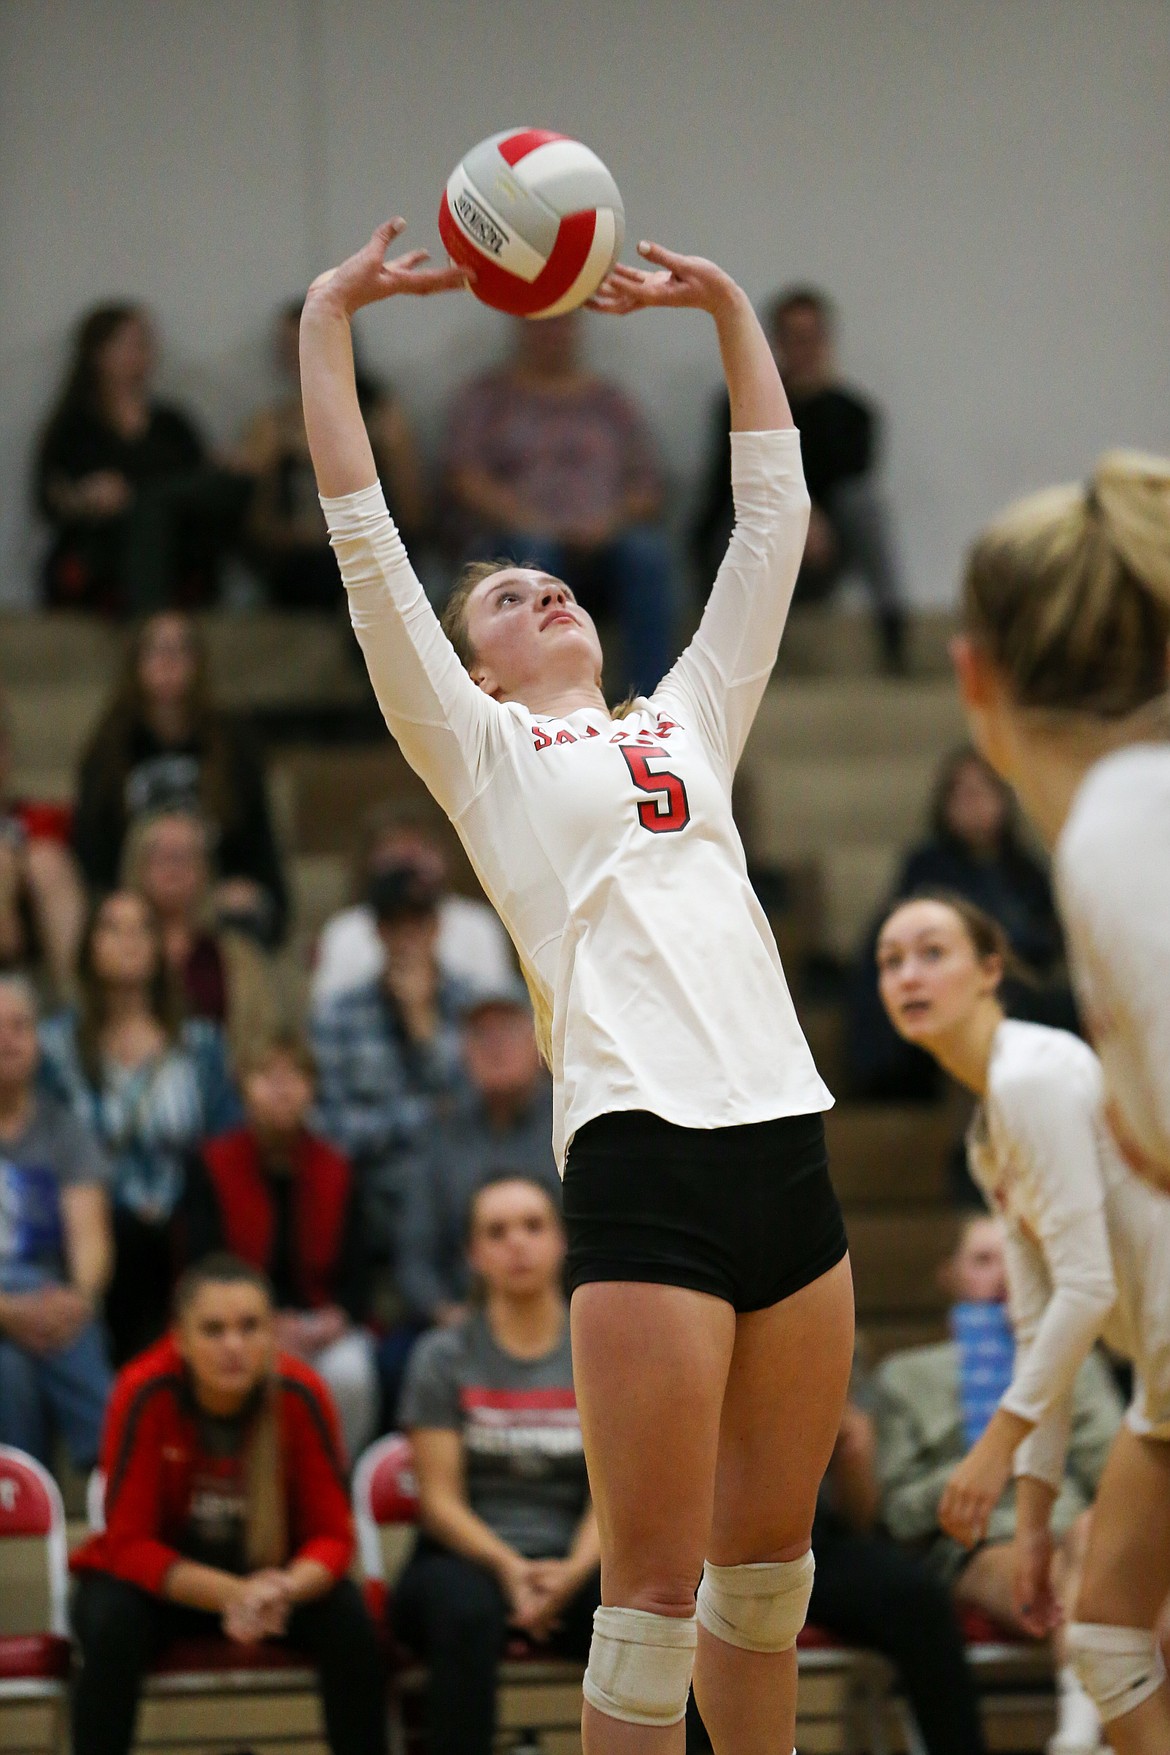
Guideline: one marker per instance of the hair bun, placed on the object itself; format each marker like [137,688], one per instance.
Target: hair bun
[1130,492]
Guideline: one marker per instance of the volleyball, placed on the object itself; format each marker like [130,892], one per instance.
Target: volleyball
[538,218]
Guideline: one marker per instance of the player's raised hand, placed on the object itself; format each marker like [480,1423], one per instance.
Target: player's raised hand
[676,282]
[366,277]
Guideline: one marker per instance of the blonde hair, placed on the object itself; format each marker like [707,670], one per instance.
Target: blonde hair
[1068,591]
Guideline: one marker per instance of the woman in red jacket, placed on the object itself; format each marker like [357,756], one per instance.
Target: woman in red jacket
[225,1509]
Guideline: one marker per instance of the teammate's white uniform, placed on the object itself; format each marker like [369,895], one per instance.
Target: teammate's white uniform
[609,850]
[1112,870]
[1088,1243]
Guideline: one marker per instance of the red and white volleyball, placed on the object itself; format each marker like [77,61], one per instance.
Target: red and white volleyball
[539,219]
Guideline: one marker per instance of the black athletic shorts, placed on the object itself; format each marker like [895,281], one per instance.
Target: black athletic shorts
[745,1213]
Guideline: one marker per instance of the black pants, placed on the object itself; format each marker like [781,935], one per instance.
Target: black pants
[453,1613]
[872,1593]
[121,1629]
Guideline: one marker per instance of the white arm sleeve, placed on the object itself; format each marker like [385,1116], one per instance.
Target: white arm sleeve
[1062,1283]
[448,730]
[1056,1324]
[721,677]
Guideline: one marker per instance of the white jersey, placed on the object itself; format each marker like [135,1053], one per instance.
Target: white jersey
[472,947]
[609,849]
[1112,869]
[1088,1243]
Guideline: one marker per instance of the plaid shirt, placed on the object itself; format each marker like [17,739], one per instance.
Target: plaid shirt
[377,1091]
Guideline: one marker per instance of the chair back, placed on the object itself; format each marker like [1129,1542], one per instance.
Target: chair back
[34,1561]
[385,1498]
[95,1502]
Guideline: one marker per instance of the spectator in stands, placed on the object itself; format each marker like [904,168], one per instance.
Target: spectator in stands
[501,1121]
[551,466]
[933,1403]
[138,509]
[56,1251]
[508,1533]
[839,435]
[974,847]
[162,743]
[388,1051]
[281,1199]
[222,973]
[151,1086]
[42,901]
[472,946]
[225,1508]
[286,528]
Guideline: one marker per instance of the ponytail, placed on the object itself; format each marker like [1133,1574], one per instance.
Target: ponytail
[1068,591]
[265,1496]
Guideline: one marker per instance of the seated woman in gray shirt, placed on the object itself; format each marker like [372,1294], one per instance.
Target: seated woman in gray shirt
[508,1538]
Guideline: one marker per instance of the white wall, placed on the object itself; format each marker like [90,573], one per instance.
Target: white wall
[985,187]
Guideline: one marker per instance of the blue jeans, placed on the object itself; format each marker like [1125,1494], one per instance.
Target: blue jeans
[634,573]
[41,1393]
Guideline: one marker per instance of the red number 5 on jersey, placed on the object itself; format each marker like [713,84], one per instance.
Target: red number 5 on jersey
[666,811]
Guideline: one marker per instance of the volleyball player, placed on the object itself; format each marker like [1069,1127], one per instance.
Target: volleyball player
[712,1312]
[1088,1255]
[1063,671]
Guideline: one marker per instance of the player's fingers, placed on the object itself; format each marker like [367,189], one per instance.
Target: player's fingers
[389,229]
[435,280]
[411,260]
[665,258]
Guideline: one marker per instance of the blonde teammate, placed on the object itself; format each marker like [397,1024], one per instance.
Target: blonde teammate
[1088,1255]
[711,1302]
[1063,671]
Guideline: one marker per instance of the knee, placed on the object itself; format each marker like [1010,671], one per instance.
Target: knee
[462,1609]
[351,1370]
[338,1619]
[50,870]
[640,1665]
[1118,1667]
[18,1368]
[112,1620]
[760,1607]
[655,1594]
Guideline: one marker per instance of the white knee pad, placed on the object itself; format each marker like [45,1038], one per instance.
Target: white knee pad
[640,1665]
[758,1608]
[1119,1667]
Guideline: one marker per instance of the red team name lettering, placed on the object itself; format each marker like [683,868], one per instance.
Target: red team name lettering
[665,809]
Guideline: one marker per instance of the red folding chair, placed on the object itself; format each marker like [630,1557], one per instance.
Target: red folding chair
[385,1497]
[35,1651]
